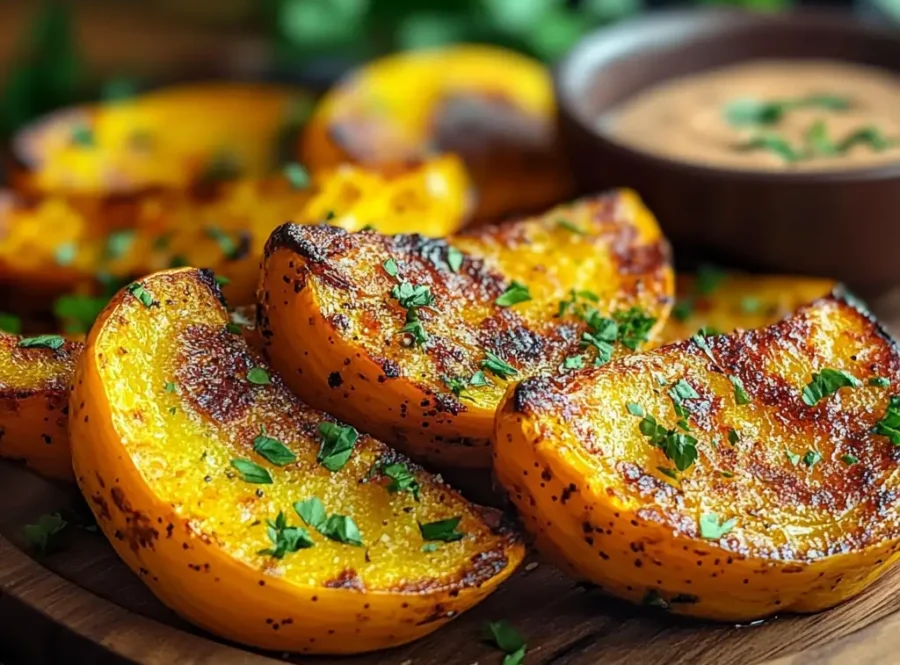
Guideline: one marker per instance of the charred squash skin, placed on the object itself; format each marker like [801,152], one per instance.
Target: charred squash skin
[808,533]
[738,302]
[34,405]
[333,330]
[48,244]
[153,461]
[172,138]
[493,107]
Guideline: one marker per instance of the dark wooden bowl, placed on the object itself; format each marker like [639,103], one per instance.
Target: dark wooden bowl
[843,224]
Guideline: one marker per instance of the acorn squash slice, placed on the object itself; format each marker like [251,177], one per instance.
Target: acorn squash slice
[493,107]
[35,373]
[727,477]
[414,340]
[250,514]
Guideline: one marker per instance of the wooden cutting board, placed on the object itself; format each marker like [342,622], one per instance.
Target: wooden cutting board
[81,604]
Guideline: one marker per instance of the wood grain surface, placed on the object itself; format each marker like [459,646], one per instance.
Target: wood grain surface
[80,604]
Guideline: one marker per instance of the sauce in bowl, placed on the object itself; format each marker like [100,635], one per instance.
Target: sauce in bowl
[768,115]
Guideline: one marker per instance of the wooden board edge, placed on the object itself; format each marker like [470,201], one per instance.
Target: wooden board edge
[58,603]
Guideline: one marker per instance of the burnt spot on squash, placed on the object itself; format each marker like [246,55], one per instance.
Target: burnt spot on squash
[139,531]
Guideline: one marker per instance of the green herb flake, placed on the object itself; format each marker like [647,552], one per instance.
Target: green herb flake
[390,267]
[251,472]
[259,376]
[296,175]
[222,280]
[889,425]
[569,226]
[709,279]
[173,410]
[77,312]
[666,471]
[272,449]
[740,395]
[726,474]
[514,294]
[818,142]
[454,259]
[751,305]
[827,382]
[338,442]
[170,387]
[479,379]
[712,529]
[312,512]
[230,249]
[573,362]
[679,447]
[773,143]
[233,328]
[42,342]
[410,296]
[683,309]
[869,136]
[634,327]
[83,136]
[402,479]
[503,636]
[733,436]
[286,539]
[64,254]
[849,459]
[654,599]
[139,292]
[342,529]
[635,409]
[10,323]
[442,530]
[428,547]
[812,457]
[880,382]
[43,535]
[497,366]
[792,457]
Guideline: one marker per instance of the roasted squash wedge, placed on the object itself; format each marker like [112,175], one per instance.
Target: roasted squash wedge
[414,340]
[172,138]
[726,477]
[50,243]
[35,374]
[493,107]
[249,513]
[722,302]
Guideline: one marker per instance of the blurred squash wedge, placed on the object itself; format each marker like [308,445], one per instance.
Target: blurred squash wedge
[171,138]
[55,244]
[213,482]
[491,106]
[414,340]
[726,477]
[719,301]
[35,374]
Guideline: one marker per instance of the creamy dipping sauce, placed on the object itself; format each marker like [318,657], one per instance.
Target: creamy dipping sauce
[769,114]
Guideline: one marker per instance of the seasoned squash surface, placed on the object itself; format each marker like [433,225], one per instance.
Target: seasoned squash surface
[172,138]
[414,340]
[722,302]
[775,493]
[34,401]
[249,513]
[493,107]
[49,244]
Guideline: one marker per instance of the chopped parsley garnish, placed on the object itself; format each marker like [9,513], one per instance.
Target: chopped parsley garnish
[569,226]
[454,259]
[10,323]
[827,382]
[681,389]
[654,599]
[571,303]
[119,243]
[428,547]
[296,175]
[170,387]
[602,339]
[442,530]
[751,305]
[712,529]
[497,366]
[173,410]
[870,136]
[411,298]
[259,376]
[666,471]
[679,447]
[849,459]
[634,327]
[733,436]
[414,327]
[42,341]
[233,328]
[337,445]
[402,479]
[812,457]
[793,457]
[222,280]
[78,312]
[880,382]
[139,292]
[272,449]
[515,293]
[774,144]
[889,425]
[817,141]
[231,249]
[479,379]
[740,395]
[456,386]
[573,362]
[43,535]
[635,409]
[65,254]
[390,267]
[285,538]
[741,112]
[342,529]
[251,472]
[508,640]
[312,512]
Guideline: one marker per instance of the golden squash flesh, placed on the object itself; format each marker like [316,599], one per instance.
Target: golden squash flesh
[188,448]
[172,138]
[48,244]
[723,302]
[34,403]
[789,504]
[493,107]
[428,378]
